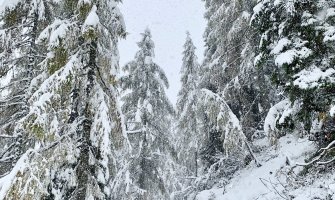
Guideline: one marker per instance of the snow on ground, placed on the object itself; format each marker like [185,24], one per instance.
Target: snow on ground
[322,189]
[249,183]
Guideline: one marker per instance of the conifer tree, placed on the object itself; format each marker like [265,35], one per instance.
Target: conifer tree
[22,22]
[297,41]
[227,72]
[148,113]
[188,132]
[228,69]
[230,93]
[74,124]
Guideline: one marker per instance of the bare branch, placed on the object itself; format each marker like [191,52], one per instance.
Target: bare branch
[258,164]
[7,136]
[135,131]
[324,152]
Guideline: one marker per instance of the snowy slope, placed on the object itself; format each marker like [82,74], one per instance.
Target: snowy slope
[254,183]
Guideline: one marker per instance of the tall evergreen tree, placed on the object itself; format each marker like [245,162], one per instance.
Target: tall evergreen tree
[22,21]
[148,113]
[228,65]
[227,73]
[73,122]
[232,99]
[188,132]
[297,41]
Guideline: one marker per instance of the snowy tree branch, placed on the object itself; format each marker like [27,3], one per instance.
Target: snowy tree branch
[316,160]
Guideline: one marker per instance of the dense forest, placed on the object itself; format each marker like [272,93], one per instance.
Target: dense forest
[255,119]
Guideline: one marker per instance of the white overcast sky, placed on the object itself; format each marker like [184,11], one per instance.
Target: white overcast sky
[168,20]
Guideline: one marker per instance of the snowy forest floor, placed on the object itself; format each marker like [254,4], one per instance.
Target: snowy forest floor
[271,181]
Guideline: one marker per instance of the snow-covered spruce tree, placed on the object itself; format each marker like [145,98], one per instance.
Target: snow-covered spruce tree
[21,23]
[215,75]
[211,76]
[222,144]
[74,122]
[148,113]
[231,92]
[228,75]
[228,65]
[186,110]
[297,41]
